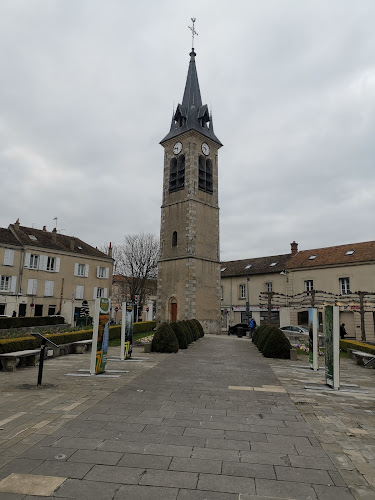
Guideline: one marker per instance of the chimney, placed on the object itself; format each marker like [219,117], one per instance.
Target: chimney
[72,244]
[54,235]
[110,250]
[44,228]
[17,224]
[294,248]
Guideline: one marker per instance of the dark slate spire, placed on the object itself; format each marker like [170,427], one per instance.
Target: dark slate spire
[191,114]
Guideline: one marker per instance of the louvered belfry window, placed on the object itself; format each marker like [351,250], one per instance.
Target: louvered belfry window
[177,173]
[205,175]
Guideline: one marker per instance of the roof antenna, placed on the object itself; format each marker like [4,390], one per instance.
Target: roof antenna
[193,32]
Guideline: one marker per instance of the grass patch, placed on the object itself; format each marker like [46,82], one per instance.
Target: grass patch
[136,336]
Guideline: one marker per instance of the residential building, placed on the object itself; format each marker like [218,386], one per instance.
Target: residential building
[291,283]
[46,273]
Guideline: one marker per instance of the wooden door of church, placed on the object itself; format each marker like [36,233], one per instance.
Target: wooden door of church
[174,311]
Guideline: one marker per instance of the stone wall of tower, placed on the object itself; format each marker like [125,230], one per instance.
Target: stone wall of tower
[190,271]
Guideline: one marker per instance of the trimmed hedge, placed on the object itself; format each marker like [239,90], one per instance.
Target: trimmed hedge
[189,330]
[257,333]
[189,337]
[264,336]
[180,334]
[199,326]
[164,340]
[21,322]
[29,342]
[194,329]
[358,346]
[277,345]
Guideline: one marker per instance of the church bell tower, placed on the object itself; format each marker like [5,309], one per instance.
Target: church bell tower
[189,266]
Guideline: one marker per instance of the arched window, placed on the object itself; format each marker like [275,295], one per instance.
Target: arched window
[174,239]
[177,173]
[205,175]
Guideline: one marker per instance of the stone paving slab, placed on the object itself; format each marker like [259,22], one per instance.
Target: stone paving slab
[173,428]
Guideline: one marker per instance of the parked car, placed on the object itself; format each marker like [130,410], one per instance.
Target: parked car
[295,330]
[233,329]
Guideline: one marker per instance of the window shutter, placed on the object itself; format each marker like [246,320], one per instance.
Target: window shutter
[8,257]
[79,292]
[51,286]
[107,272]
[31,287]
[13,284]
[43,262]
[98,271]
[95,296]
[105,293]
[46,288]
[27,259]
[76,269]
[86,270]
[57,268]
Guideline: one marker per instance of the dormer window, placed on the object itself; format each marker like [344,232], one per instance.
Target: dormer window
[273,264]
[349,252]
[312,257]
[248,266]
[32,237]
[222,269]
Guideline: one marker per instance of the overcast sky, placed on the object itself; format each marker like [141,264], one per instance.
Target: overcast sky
[87,89]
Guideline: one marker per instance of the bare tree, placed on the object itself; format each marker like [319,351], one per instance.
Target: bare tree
[137,261]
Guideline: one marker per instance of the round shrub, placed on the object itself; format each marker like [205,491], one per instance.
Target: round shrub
[277,345]
[188,334]
[264,336]
[199,326]
[164,340]
[194,329]
[257,333]
[180,334]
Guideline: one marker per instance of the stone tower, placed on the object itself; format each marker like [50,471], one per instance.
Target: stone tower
[189,268]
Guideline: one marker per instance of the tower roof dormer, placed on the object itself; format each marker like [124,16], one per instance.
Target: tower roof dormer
[192,114]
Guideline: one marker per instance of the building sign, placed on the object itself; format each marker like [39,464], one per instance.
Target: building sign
[254,308]
[100,336]
[313,339]
[127,330]
[332,346]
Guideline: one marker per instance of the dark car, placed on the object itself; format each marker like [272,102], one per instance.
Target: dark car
[233,329]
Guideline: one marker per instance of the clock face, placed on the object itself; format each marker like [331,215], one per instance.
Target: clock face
[177,148]
[205,149]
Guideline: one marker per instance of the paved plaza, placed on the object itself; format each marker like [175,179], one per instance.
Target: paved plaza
[214,422]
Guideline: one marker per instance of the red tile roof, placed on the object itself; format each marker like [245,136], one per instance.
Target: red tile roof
[331,256]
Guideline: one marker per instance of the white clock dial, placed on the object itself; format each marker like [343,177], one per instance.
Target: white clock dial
[205,149]
[177,148]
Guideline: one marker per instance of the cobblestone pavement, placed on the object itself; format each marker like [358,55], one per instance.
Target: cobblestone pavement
[213,422]
[343,421]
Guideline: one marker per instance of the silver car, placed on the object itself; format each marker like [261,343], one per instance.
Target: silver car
[295,330]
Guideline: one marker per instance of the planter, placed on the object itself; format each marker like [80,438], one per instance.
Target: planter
[293,354]
[147,347]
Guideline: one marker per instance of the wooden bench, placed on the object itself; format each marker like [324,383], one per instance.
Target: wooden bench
[364,359]
[81,346]
[10,360]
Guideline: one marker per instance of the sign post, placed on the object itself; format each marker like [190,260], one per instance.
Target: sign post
[332,346]
[100,336]
[313,339]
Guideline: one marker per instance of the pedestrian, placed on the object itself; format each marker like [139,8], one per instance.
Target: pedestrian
[252,325]
[342,331]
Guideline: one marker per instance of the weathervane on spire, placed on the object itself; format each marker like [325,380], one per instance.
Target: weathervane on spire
[193,32]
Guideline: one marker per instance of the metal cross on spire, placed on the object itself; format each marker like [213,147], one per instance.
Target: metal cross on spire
[193,32]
